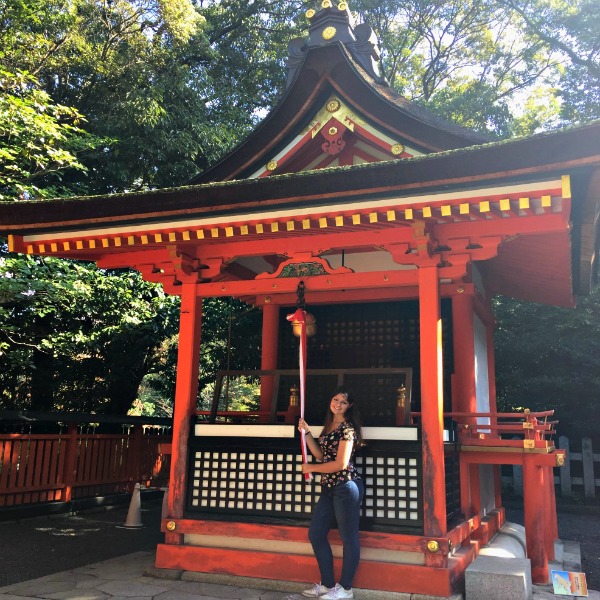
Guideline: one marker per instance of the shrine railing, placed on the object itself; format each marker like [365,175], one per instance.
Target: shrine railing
[37,468]
[528,430]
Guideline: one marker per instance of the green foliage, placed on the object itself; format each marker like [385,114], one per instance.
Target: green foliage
[74,337]
[238,394]
[170,85]
[569,30]
[549,357]
[231,340]
[39,140]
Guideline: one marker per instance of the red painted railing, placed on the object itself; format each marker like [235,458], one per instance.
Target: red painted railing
[37,468]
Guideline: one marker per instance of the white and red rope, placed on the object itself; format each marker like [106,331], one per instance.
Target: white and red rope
[300,317]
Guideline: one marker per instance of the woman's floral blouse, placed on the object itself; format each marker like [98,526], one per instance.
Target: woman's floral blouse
[329,446]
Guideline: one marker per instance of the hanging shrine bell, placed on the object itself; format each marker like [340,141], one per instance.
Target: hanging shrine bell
[310,321]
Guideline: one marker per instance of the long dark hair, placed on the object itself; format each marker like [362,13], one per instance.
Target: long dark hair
[351,415]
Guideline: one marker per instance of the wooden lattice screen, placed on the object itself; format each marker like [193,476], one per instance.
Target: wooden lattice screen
[374,335]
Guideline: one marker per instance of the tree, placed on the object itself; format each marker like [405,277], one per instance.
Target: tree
[168,84]
[570,30]
[548,357]
[74,337]
[40,141]
[467,61]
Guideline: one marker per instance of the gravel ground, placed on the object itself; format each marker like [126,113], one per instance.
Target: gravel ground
[41,546]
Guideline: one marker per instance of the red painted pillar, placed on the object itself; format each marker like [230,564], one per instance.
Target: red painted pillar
[186,398]
[70,465]
[551,519]
[534,504]
[432,406]
[270,347]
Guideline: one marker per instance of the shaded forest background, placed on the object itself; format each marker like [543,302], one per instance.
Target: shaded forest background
[103,96]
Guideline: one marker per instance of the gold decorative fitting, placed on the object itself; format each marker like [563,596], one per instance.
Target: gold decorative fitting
[267,299]
[397,149]
[332,130]
[171,526]
[342,6]
[433,546]
[460,289]
[527,425]
[328,33]
[560,460]
[529,444]
[294,395]
[333,105]
[310,13]
[326,4]
[271,165]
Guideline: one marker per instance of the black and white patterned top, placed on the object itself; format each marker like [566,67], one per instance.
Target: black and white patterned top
[329,446]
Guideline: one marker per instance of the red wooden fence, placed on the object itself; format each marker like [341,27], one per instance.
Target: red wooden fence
[37,468]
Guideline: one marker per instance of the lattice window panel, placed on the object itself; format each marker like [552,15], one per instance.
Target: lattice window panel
[392,489]
[366,335]
[253,482]
[263,483]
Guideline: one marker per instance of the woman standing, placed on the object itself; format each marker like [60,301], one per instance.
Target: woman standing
[341,495]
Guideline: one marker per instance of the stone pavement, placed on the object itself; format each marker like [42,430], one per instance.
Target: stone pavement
[133,577]
[88,556]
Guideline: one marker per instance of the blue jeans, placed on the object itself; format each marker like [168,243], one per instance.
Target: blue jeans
[342,501]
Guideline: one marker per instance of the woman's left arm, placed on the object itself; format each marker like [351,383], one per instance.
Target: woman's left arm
[341,462]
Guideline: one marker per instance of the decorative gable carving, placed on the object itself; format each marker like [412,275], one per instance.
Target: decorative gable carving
[336,136]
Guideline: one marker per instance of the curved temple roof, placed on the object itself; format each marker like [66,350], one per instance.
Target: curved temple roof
[344,164]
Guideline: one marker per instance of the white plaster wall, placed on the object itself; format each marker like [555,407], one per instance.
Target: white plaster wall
[482,380]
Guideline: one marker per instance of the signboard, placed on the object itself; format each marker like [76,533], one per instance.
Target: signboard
[569,584]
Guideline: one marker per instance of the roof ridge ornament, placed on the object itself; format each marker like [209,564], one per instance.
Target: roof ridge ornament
[334,23]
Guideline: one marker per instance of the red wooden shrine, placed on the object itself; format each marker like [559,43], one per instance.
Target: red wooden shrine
[376,205]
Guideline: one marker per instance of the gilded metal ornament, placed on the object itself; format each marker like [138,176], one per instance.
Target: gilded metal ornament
[333,105]
[326,4]
[560,460]
[271,165]
[342,6]
[397,149]
[310,13]
[332,130]
[171,526]
[302,270]
[433,546]
[329,33]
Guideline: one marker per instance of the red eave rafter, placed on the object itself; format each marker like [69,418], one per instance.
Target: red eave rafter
[368,215]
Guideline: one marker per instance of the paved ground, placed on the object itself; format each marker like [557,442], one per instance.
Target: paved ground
[35,547]
[90,557]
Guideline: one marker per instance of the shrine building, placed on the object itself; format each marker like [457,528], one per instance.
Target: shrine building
[395,229]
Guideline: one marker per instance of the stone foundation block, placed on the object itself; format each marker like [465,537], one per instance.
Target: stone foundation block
[495,578]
